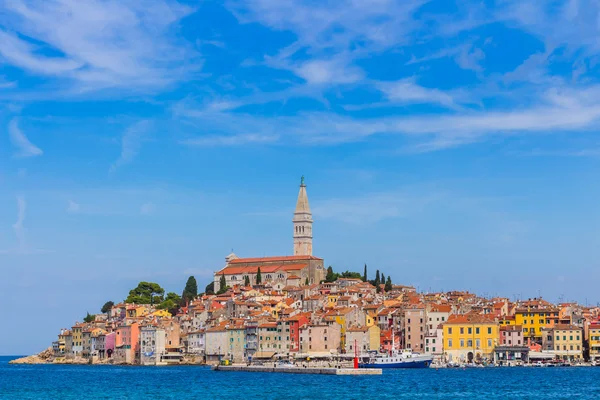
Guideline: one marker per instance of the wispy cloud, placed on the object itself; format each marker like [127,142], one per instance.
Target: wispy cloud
[559,111]
[234,140]
[131,41]
[18,226]
[73,207]
[19,140]
[131,143]
[372,208]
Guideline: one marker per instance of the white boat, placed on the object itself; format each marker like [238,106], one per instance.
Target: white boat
[397,359]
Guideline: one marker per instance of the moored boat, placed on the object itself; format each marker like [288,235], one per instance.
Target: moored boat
[397,359]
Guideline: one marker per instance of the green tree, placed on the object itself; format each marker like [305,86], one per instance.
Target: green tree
[246,280]
[190,291]
[258,277]
[107,307]
[377,278]
[89,318]
[348,274]
[364,278]
[306,282]
[210,288]
[382,279]
[171,303]
[222,283]
[388,284]
[224,289]
[146,293]
[331,276]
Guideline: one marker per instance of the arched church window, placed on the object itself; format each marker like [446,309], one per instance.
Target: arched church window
[234,278]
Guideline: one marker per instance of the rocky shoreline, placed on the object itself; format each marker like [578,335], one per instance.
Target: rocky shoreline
[47,357]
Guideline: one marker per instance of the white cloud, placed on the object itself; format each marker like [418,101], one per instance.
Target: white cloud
[407,91]
[328,72]
[430,131]
[234,140]
[113,43]
[131,142]
[371,208]
[19,140]
[18,226]
[73,207]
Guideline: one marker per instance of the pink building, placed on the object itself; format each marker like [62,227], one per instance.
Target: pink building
[127,343]
[511,335]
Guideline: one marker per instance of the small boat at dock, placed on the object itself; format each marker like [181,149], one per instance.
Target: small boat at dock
[397,359]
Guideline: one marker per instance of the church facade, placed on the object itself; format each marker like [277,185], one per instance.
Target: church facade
[295,270]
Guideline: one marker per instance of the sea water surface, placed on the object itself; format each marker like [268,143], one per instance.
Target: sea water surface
[190,382]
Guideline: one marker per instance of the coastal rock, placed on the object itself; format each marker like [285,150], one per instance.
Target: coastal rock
[43,357]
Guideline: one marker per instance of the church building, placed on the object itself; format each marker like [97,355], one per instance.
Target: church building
[293,270]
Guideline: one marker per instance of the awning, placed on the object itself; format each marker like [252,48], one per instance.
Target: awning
[541,355]
[263,354]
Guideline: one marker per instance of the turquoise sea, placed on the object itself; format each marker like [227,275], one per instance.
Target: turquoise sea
[110,382]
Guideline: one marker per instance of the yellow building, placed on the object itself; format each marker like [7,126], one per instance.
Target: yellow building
[470,337]
[534,319]
[594,335]
[162,314]
[568,342]
[77,333]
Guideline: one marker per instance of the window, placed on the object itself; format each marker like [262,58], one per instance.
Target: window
[462,331]
[462,342]
[450,331]
[477,331]
[489,331]
[477,343]
[469,343]
[449,342]
[469,331]
[489,343]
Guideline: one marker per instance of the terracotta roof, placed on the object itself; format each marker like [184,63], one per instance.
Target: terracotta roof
[264,269]
[273,259]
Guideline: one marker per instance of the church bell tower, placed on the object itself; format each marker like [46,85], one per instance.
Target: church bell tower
[302,224]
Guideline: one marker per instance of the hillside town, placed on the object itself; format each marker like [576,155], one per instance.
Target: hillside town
[259,310]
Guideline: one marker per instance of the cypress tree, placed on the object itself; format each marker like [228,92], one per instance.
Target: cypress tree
[190,291]
[388,284]
[258,277]
[222,283]
[382,279]
[246,280]
[365,274]
[377,278]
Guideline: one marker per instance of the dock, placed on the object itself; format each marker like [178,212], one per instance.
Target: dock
[296,370]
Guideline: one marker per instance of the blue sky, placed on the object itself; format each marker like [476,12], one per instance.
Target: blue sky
[451,145]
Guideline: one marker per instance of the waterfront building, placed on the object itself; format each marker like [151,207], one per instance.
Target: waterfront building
[414,327]
[470,337]
[68,336]
[366,338]
[127,343]
[216,344]
[300,268]
[568,342]
[196,342]
[77,332]
[534,318]
[105,344]
[511,335]
[320,339]
[434,342]
[236,340]
[594,341]
[152,345]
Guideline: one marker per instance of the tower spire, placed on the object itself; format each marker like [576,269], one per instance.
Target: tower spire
[302,223]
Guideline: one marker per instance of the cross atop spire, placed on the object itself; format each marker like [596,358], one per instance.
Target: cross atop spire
[302,203]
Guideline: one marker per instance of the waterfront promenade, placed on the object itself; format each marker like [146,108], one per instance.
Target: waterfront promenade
[298,370]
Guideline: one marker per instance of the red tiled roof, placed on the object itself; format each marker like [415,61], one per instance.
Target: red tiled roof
[264,269]
[273,259]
